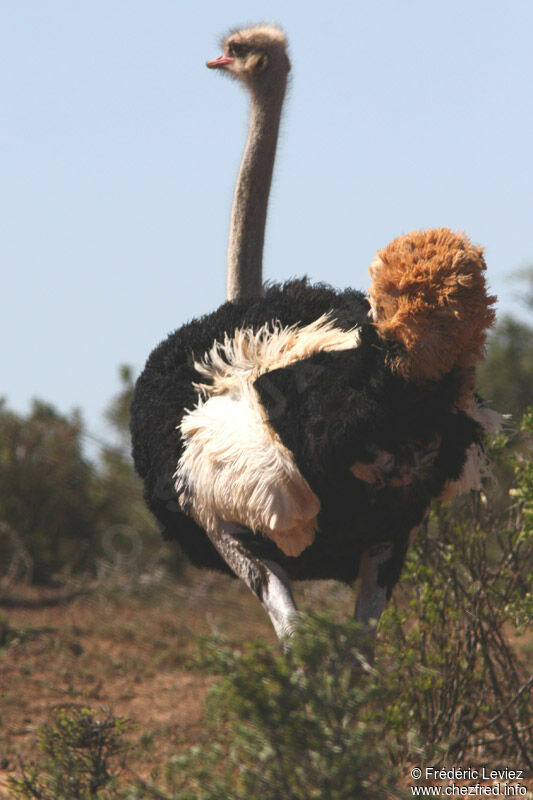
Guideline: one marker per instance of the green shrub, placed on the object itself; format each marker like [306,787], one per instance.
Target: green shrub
[81,758]
[450,636]
[308,723]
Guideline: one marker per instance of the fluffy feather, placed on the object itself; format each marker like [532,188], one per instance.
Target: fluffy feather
[234,468]
[477,468]
[428,294]
[250,353]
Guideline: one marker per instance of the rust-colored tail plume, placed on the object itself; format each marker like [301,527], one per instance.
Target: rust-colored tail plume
[428,293]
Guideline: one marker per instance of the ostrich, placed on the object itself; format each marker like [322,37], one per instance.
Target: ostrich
[301,432]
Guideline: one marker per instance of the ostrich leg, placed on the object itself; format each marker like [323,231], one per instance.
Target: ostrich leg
[371,598]
[266,579]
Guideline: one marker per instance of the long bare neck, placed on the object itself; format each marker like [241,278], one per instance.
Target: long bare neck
[250,201]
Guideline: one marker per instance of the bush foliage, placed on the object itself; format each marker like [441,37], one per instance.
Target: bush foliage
[308,723]
[81,758]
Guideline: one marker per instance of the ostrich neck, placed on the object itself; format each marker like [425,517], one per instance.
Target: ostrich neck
[250,201]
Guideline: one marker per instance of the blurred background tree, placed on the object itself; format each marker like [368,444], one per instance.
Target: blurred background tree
[505,378]
[45,489]
[117,489]
[128,533]
[69,514]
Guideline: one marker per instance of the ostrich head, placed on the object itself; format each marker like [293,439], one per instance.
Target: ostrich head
[256,56]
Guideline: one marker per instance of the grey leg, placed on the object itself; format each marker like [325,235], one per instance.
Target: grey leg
[266,579]
[279,602]
[372,598]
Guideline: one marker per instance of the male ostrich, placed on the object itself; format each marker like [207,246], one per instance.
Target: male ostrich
[303,432]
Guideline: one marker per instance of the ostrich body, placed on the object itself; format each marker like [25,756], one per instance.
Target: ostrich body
[304,432]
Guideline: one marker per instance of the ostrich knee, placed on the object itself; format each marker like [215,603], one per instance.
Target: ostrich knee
[266,579]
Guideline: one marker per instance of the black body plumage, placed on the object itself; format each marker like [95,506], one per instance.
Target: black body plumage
[331,410]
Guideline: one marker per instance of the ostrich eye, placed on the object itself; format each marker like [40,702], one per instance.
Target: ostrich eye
[236,49]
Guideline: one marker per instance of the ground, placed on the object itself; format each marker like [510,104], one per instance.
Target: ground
[126,649]
[129,649]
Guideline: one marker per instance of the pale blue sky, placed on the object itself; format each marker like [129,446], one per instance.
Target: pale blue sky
[119,151]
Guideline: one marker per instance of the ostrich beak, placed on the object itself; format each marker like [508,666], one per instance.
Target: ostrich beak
[221,61]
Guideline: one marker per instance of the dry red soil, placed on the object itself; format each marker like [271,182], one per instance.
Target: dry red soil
[114,651]
[128,651]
